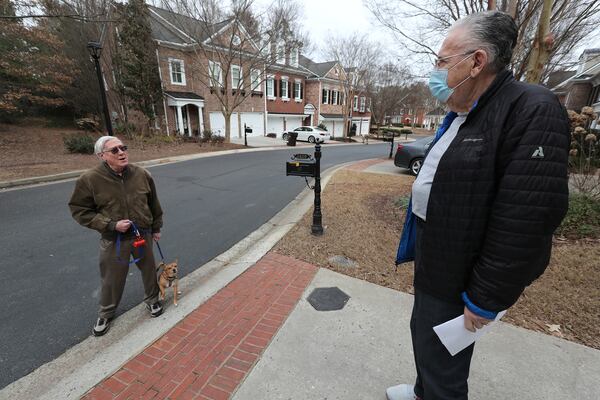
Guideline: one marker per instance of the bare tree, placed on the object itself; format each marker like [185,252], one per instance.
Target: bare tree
[388,91]
[570,23]
[359,57]
[230,60]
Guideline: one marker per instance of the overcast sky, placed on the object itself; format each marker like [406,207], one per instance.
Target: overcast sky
[324,18]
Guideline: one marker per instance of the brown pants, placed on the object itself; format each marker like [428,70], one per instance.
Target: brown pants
[114,270]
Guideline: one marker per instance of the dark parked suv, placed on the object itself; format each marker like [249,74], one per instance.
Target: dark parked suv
[411,155]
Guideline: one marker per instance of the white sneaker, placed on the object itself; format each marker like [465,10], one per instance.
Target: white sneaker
[401,392]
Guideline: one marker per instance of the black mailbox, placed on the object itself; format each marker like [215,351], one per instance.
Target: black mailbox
[248,129]
[301,165]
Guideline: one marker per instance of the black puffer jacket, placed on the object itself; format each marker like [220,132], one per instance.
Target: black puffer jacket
[498,194]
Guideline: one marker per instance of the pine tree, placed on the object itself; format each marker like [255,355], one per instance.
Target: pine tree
[33,72]
[135,60]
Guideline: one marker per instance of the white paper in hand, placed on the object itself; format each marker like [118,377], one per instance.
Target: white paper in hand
[456,337]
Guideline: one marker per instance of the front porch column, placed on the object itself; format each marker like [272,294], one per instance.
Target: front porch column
[179,121]
[200,121]
[189,120]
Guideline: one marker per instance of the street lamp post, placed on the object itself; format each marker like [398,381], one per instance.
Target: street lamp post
[95,50]
[317,225]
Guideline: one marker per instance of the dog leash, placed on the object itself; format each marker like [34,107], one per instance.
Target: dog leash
[139,242]
[160,251]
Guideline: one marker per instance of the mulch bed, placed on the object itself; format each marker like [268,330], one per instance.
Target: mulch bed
[363,217]
[37,151]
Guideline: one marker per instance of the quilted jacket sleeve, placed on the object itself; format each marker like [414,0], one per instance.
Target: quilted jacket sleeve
[531,201]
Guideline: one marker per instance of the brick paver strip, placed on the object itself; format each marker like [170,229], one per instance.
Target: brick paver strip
[361,165]
[209,353]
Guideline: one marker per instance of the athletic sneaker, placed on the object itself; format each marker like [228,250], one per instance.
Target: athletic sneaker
[101,326]
[401,392]
[155,309]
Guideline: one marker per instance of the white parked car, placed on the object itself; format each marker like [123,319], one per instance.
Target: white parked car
[310,134]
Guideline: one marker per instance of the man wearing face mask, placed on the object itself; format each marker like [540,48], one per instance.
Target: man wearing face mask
[488,197]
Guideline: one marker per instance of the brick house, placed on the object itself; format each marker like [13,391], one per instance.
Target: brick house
[289,92]
[581,88]
[285,89]
[325,98]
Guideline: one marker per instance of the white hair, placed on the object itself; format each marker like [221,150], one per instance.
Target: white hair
[99,146]
[493,31]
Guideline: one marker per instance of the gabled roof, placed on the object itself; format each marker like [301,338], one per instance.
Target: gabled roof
[319,69]
[585,75]
[177,28]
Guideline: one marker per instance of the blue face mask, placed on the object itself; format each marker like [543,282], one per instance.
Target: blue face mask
[438,83]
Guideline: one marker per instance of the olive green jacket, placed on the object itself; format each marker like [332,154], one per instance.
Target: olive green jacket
[102,197]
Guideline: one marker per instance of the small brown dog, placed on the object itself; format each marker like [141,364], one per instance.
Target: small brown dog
[168,278]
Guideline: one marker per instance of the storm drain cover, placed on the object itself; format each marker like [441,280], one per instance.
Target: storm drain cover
[328,299]
[342,262]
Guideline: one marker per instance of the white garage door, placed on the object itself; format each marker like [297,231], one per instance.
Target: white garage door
[275,125]
[329,126]
[217,123]
[254,121]
[292,123]
[365,128]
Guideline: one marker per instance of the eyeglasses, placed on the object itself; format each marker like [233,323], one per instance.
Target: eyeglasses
[438,62]
[116,149]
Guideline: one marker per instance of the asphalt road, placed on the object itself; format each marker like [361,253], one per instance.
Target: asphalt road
[48,263]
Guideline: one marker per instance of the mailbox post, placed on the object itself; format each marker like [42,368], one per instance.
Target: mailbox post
[307,166]
[317,227]
[391,146]
[246,130]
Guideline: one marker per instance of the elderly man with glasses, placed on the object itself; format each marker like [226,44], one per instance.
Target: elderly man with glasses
[489,195]
[119,201]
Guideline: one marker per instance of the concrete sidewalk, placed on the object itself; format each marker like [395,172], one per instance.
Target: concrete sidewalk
[244,330]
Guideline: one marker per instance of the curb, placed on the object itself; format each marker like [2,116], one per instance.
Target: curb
[88,363]
[148,163]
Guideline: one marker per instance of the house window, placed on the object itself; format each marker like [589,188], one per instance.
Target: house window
[284,88]
[335,95]
[355,103]
[280,53]
[271,87]
[177,71]
[255,78]
[294,57]
[236,77]
[215,73]
[297,90]
[363,103]
[325,96]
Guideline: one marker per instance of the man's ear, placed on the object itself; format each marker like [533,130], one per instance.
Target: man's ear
[480,60]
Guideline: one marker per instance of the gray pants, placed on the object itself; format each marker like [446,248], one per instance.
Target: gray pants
[114,270]
[440,376]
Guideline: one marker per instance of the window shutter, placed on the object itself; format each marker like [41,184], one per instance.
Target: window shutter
[275,81]
[323,96]
[280,88]
[301,90]
[329,99]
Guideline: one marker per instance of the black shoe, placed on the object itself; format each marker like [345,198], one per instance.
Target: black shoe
[155,309]
[101,326]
